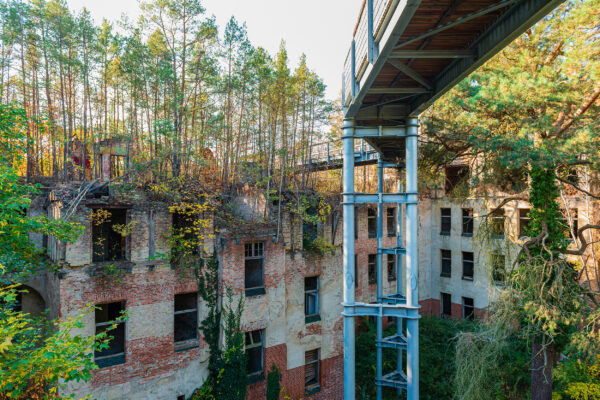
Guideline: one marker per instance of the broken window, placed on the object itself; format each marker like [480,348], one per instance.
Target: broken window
[372,268]
[254,261]
[187,238]
[468,308]
[455,175]
[468,265]
[467,222]
[254,354]
[498,267]
[109,236]
[185,317]
[311,369]
[497,218]
[391,221]
[446,263]
[372,222]
[446,306]
[391,267]
[106,315]
[117,166]
[446,221]
[309,230]
[523,221]
[311,298]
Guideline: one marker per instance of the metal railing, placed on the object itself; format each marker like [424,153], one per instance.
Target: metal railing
[372,22]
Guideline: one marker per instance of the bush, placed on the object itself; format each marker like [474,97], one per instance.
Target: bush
[273,385]
[577,380]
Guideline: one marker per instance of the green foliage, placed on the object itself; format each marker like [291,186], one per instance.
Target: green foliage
[17,253]
[37,356]
[577,380]
[273,383]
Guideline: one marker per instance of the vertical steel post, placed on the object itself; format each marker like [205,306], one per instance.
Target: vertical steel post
[379,273]
[399,278]
[370,31]
[412,265]
[348,256]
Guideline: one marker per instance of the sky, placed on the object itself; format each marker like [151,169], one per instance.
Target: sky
[322,29]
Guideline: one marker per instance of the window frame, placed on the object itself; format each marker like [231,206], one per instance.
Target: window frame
[444,274]
[110,360]
[495,217]
[445,221]
[496,266]
[471,315]
[464,263]
[372,263]
[316,316]
[392,221]
[391,261]
[258,375]
[312,386]
[524,221]
[443,297]
[185,344]
[257,252]
[371,222]
[468,222]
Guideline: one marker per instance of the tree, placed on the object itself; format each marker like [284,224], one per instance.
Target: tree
[37,356]
[531,111]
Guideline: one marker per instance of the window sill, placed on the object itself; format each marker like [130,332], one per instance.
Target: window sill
[260,376]
[255,292]
[312,389]
[312,318]
[446,275]
[467,235]
[185,345]
[444,233]
[111,361]
[466,278]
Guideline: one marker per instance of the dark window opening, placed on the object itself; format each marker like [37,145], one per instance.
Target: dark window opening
[186,317]
[356,271]
[372,222]
[446,306]
[523,221]
[446,221]
[498,267]
[309,231]
[105,316]
[254,261]
[392,220]
[446,263]
[468,265]
[372,268]
[187,236]
[254,354]
[497,218]
[455,175]
[109,236]
[311,368]
[468,308]
[117,166]
[467,222]
[391,267]
[311,297]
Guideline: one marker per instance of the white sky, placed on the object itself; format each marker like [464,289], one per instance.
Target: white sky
[322,29]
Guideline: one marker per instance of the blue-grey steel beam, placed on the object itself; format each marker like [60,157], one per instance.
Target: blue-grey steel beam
[412,263]
[348,255]
[379,274]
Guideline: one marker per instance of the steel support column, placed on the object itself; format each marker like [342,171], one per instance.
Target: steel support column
[379,276]
[412,266]
[348,256]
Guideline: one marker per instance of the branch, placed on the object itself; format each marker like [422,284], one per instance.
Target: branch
[504,202]
[579,188]
[584,243]
[583,108]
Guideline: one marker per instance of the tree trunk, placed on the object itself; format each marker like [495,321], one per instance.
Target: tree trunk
[542,360]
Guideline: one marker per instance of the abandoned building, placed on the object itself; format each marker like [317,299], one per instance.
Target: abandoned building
[125,261]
